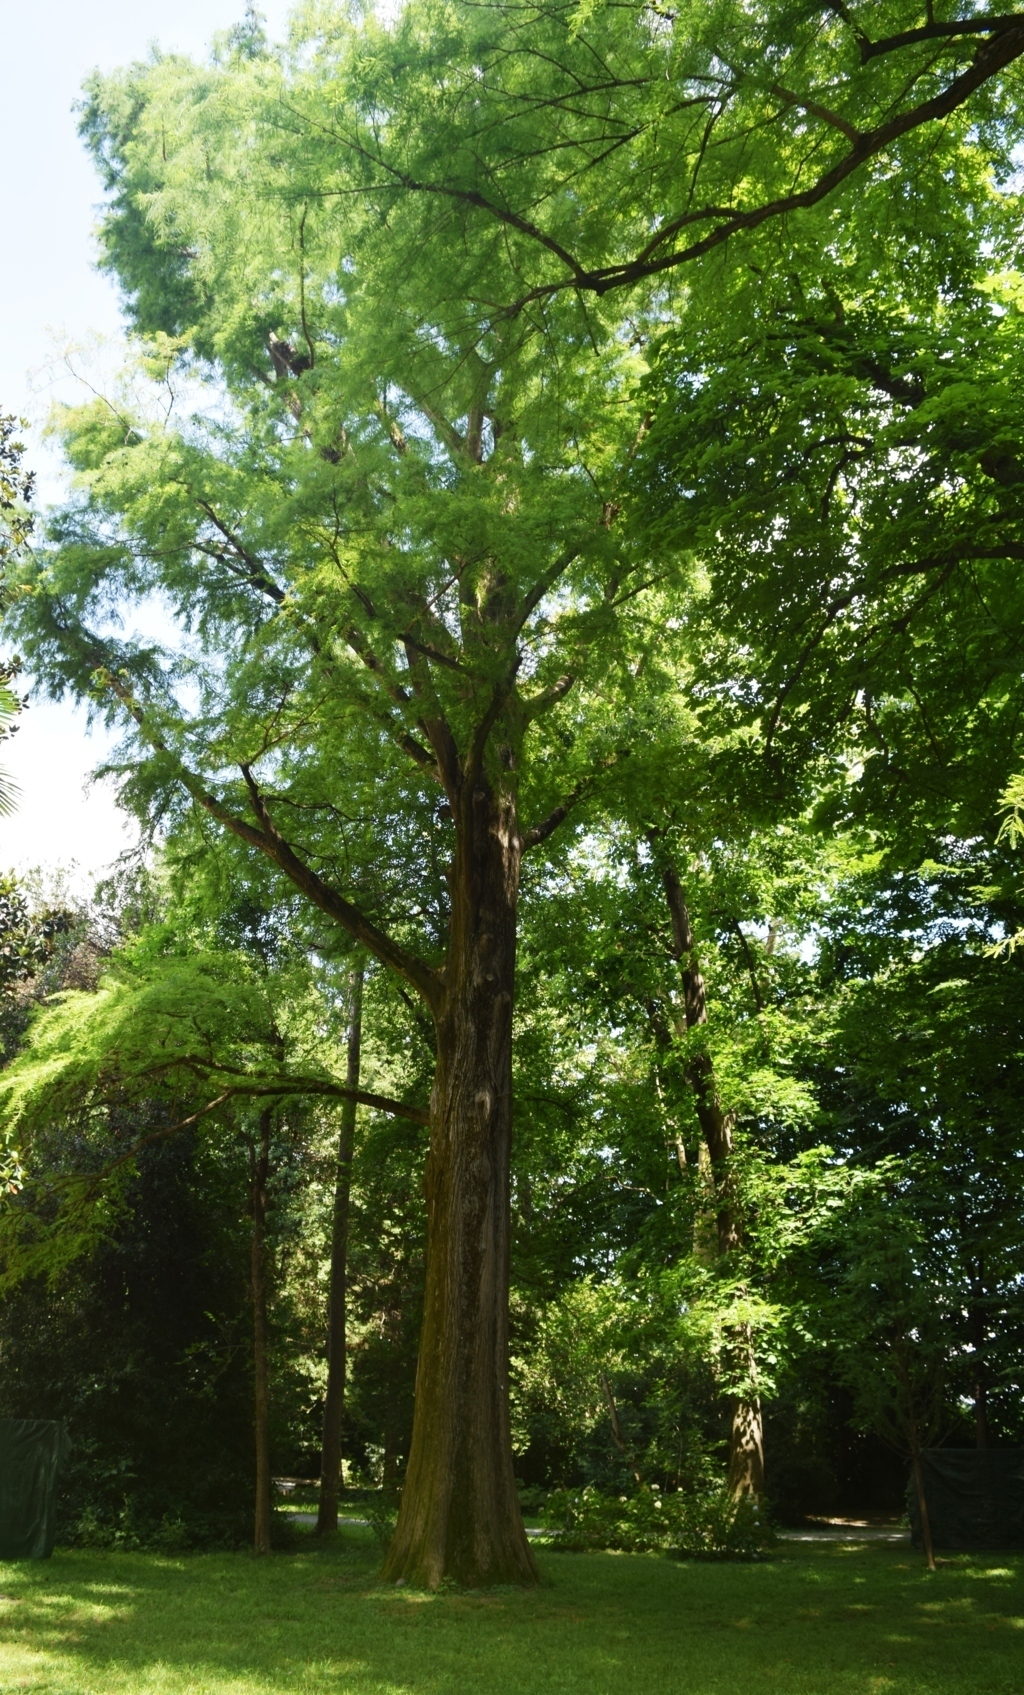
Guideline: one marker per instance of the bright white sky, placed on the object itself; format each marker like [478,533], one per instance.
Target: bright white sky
[52,298]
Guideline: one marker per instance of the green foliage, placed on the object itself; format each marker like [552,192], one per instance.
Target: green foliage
[16,523]
[375,462]
[127,1165]
[610,1380]
[833,432]
[1011,830]
[26,938]
[16,488]
[1012,827]
[172,1034]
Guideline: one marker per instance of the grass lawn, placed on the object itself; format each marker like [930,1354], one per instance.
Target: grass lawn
[815,1620]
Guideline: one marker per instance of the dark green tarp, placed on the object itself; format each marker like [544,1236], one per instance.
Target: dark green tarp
[975,1498]
[32,1451]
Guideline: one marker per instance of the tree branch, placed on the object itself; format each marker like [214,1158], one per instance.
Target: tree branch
[1006,45]
[454,442]
[361,647]
[90,1179]
[395,435]
[401,696]
[538,833]
[258,1088]
[749,960]
[534,596]
[256,574]
[937,32]
[269,841]
[835,119]
[549,697]
[617,1437]
[475,757]
[334,1091]
[263,1084]
[435,726]
[468,196]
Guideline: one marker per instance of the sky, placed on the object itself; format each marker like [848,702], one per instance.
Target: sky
[52,301]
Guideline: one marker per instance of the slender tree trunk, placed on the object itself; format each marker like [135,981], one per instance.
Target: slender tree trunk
[746,1444]
[334,1400]
[922,1505]
[980,1411]
[389,1465]
[746,1437]
[980,1376]
[259,1160]
[460,1516]
[618,1437]
[910,1425]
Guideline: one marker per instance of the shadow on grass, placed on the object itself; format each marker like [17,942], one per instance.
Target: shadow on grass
[818,1621]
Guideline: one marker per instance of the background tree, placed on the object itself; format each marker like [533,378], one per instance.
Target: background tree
[16,489]
[337,1300]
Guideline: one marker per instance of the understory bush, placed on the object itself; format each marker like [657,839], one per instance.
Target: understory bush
[130,1529]
[381,1514]
[701,1525]
[143,1351]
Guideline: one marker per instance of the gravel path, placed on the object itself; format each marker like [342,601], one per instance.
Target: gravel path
[310,1518]
[847,1533]
[819,1533]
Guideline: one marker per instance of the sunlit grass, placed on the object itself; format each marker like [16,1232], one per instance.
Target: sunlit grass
[816,1620]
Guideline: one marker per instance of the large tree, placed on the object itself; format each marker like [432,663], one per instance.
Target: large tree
[417,268]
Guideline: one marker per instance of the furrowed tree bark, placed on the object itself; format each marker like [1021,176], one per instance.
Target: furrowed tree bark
[746,1434]
[460,1517]
[259,1166]
[337,1313]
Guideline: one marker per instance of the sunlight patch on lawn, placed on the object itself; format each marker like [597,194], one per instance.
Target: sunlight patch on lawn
[41,1673]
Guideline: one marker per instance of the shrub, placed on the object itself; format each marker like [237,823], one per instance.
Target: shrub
[128,1528]
[709,1525]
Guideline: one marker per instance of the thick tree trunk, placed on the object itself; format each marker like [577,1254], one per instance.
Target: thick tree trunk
[746,1442]
[334,1400]
[460,1516]
[259,1169]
